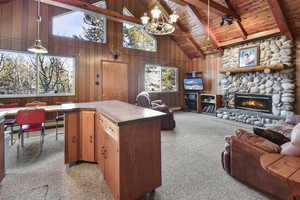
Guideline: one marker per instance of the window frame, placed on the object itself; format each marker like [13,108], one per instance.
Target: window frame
[140,26]
[164,66]
[37,76]
[85,12]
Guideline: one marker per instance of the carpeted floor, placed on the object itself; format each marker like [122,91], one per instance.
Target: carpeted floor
[190,160]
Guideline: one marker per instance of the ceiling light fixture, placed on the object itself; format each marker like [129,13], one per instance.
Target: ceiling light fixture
[37,46]
[161,23]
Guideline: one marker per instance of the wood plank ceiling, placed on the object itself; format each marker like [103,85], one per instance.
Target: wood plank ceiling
[252,19]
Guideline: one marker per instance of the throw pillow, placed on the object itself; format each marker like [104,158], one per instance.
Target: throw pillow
[258,142]
[290,149]
[293,147]
[295,136]
[273,136]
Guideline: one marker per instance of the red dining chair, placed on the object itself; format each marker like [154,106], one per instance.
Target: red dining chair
[35,104]
[29,121]
[9,123]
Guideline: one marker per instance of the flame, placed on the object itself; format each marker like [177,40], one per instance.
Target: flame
[253,103]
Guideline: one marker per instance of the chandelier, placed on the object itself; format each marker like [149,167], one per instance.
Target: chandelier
[161,23]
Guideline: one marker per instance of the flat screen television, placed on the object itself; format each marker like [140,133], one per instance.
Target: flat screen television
[193,84]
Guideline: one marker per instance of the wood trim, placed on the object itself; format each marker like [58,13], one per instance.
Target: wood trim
[252,69]
[280,18]
[251,37]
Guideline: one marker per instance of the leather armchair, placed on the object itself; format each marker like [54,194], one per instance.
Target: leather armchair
[143,100]
[241,159]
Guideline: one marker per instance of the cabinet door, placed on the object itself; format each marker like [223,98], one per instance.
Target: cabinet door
[87,145]
[71,137]
[2,165]
[99,142]
[111,168]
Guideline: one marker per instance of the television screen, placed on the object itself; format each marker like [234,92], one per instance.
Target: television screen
[193,84]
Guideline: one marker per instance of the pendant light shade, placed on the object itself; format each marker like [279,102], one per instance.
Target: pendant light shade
[37,46]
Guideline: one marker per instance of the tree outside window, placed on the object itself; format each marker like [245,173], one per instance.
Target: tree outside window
[79,25]
[25,74]
[135,37]
[161,79]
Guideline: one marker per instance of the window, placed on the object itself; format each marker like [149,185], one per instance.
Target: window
[161,79]
[77,24]
[26,74]
[135,37]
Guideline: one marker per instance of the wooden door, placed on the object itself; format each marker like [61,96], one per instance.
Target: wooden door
[2,165]
[111,166]
[71,137]
[114,81]
[87,145]
[99,142]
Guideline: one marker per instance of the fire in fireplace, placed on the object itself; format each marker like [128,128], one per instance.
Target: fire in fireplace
[254,102]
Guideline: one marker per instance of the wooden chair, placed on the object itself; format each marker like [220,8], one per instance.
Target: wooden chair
[29,121]
[9,123]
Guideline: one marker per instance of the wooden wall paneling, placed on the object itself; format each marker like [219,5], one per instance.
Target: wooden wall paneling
[88,55]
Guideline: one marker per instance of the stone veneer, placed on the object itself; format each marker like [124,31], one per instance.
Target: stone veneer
[280,84]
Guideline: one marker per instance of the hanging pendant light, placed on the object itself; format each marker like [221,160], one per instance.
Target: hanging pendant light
[37,46]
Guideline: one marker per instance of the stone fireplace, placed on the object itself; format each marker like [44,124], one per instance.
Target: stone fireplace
[254,102]
[251,95]
[278,84]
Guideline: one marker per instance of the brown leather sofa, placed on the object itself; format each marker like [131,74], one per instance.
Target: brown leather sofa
[241,159]
[143,100]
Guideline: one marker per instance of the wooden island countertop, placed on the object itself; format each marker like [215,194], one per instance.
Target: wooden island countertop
[117,111]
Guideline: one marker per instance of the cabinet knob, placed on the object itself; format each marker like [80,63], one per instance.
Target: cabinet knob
[91,139]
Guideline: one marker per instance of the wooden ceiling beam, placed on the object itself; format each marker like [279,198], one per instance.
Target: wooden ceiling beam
[181,28]
[255,36]
[280,18]
[237,21]
[77,5]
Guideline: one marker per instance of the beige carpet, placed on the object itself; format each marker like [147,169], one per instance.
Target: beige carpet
[190,160]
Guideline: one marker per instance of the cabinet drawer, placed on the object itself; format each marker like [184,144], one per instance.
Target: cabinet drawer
[109,127]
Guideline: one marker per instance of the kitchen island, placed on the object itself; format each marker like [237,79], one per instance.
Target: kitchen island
[123,139]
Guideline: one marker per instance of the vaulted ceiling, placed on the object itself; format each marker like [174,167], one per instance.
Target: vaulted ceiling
[252,19]
[198,34]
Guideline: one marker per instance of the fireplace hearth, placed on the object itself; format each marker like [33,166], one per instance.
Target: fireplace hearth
[254,102]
